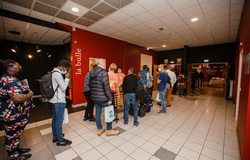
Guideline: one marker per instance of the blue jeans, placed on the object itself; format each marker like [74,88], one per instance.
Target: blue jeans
[162,95]
[57,120]
[128,98]
[98,112]
[181,87]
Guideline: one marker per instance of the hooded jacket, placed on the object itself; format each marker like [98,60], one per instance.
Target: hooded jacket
[99,85]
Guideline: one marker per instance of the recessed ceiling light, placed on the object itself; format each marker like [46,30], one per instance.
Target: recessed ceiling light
[30,56]
[194,19]
[163,45]
[75,9]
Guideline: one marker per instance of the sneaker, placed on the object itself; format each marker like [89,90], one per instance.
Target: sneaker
[169,105]
[125,124]
[64,142]
[54,140]
[161,112]
[112,132]
[85,118]
[100,131]
[136,125]
[92,119]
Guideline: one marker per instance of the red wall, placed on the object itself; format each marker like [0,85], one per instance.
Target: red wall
[85,45]
[243,124]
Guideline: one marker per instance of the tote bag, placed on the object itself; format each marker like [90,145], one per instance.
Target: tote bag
[158,97]
[109,114]
[65,116]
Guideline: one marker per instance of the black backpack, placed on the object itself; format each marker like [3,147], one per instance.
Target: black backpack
[139,90]
[46,87]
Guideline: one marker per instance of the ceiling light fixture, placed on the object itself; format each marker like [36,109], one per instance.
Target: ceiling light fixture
[37,49]
[171,61]
[30,56]
[194,19]
[14,49]
[148,48]
[164,45]
[15,35]
[206,60]
[74,9]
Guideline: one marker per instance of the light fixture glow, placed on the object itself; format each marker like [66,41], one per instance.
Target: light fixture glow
[171,61]
[74,9]
[30,56]
[194,19]
[37,49]
[206,60]
[164,45]
[14,49]
[148,48]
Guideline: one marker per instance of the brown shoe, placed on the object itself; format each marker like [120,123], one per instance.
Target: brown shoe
[112,132]
[100,131]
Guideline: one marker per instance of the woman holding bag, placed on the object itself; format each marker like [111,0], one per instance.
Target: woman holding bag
[15,103]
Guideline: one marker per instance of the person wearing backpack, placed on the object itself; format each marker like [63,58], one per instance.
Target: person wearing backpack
[162,80]
[172,81]
[59,101]
[129,89]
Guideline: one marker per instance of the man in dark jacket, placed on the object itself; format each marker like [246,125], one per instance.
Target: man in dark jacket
[101,95]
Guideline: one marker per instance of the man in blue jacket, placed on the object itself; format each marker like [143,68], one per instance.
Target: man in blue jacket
[162,80]
[144,76]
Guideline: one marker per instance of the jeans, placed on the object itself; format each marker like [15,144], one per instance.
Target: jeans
[98,107]
[57,120]
[90,105]
[128,98]
[181,87]
[162,95]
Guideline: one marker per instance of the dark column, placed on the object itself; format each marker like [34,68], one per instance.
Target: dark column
[184,65]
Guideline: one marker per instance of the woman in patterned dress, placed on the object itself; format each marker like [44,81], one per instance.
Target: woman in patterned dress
[15,102]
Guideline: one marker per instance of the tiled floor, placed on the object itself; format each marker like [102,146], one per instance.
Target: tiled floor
[195,127]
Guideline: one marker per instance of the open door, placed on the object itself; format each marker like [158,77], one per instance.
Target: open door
[189,80]
[225,81]
[155,86]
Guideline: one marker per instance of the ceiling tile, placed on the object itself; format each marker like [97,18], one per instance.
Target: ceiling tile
[84,22]
[37,28]
[104,9]
[189,12]
[217,13]
[56,32]
[133,9]
[55,19]
[219,25]
[154,23]
[119,34]
[107,22]
[55,3]
[41,16]
[149,4]
[119,26]
[140,27]
[118,16]
[237,8]
[45,9]
[214,5]
[86,3]
[203,1]
[219,20]
[66,16]
[97,27]
[15,8]
[92,16]
[176,24]
[130,22]
[162,10]
[180,4]
[181,28]
[145,17]
[170,18]
[237,1]
[119,3]
[200,17]
[23,3]
[235,16]
[68,8]
[109,30]
[78,26]
[129,31]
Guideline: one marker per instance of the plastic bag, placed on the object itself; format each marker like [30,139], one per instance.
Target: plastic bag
[109,114]
[158,97]
[65,116]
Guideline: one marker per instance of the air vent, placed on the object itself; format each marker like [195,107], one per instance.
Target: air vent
[119,3]
[92,16]
[45,9]
[23,3]
[55,3]
[86,3]
[84,22]
[66,16]
[104,9]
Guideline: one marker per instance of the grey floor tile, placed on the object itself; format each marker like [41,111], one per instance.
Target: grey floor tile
[58,149]
[119,129]
[42,155]
[165,154]
[34,141]
[44,126]
[38,147]
[77,158]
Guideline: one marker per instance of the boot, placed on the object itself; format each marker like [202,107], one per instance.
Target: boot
[100,131]
[112,132]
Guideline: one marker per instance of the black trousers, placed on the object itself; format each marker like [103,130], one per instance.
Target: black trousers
[90,105]
[174,89]
[193,84]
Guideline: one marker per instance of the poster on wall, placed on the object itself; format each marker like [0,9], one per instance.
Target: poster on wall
[247,64]
[92,62]
[165,61]
[178,60]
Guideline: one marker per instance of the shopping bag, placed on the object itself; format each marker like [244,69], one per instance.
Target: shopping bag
[109,114]
[65,116]
[158,97]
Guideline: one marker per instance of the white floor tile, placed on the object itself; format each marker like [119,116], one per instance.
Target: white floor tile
[116,154]
[202,157]
[228,157]
[92,154]
[173,147]
[154,158]
[126,135]
[177,140]
[163,135]
[231,151]
[140,154]
[82,148]
[214,145]
[134,130]
[150,147]
[189,154]
[157,140]
[137,141]
[30,125]
[89,135]
[128,148]
[77,140]
[71,135]
[46,131]
[197,139]
[66,155]
[215,139]
[179,158]
[129,158]
[82,130]
[96,141]
[212,153]
[193,146]
[105,148]
[145,135]
[117,141]
[40,123]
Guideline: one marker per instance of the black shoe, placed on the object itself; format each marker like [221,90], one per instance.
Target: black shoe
[85,118]
[54,140]
[92,119]
[136,125]
[64,142]
[159,103]
[169,105]
[23,150]
[23,157]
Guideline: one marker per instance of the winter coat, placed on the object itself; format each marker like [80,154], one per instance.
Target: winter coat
[99,85]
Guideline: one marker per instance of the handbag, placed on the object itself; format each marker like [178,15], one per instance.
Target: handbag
[158,97]
[109,114]
[65,116]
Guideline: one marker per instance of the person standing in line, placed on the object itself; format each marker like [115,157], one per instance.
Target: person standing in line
[181,81]
[201,79]
[194,79]
[162,80]
[129,89]
[120,76]
[101,95]
[90,105]
[59,101]
[149,82]
[176,71]
[172,76]
[144,76]
[15,103]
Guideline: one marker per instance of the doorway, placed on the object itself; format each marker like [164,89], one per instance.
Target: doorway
[146,60]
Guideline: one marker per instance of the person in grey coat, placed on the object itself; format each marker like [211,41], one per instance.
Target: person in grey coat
[101,95]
